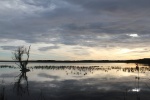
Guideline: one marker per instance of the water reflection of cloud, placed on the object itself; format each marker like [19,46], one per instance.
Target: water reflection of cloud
[98,89]
[44,75]
[99,85]
[84,89]
[10,75]
[77,76]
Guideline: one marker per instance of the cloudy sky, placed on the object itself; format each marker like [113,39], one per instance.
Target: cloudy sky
[76,29]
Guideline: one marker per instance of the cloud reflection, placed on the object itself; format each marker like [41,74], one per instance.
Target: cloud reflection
[44,75]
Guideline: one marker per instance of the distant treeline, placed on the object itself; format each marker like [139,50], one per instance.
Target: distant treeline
[142,61]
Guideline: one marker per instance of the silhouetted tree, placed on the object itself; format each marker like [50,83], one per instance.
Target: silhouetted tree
[21,55]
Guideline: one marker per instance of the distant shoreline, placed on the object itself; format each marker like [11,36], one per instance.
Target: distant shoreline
[143,61]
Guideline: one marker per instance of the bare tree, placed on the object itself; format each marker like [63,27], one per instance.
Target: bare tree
[21,55]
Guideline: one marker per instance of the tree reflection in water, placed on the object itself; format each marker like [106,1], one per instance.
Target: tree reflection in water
[21,85]
[2,93]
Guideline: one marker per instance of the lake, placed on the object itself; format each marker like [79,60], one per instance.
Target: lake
[75,81]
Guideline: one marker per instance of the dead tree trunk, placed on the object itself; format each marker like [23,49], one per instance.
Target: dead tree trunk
[21,56]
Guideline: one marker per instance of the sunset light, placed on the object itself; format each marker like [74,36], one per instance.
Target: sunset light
[74,49]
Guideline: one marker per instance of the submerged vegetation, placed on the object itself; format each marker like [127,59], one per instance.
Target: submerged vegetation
[85,68]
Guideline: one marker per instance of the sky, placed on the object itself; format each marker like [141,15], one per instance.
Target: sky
[76,29]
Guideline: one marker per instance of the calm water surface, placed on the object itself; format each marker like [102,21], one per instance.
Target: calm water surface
[75,81]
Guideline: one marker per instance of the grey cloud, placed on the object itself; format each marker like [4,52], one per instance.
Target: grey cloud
[39,28]
[39,3]
[48,48]
[9,47]
[98,40]
[112,5]
[99,34]
[71,23]
[105,27]
[114,23]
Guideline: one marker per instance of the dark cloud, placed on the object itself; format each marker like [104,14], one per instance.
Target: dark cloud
[112,5]
[91,23]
